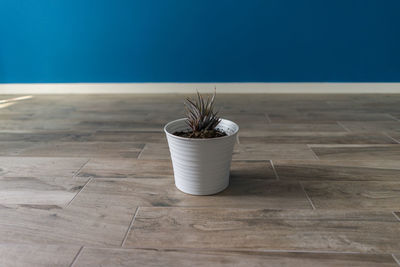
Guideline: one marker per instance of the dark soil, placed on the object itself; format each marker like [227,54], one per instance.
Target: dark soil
[201,135]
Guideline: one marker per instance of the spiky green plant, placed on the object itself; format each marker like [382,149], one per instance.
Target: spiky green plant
[200,113]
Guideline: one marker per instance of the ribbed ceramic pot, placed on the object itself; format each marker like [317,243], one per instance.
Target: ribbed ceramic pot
[201,166]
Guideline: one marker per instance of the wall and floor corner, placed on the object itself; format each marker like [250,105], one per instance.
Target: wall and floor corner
[155,46]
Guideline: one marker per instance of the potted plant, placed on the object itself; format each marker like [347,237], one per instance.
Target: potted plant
[201,147]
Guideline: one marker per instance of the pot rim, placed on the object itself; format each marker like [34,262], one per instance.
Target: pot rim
[199,139]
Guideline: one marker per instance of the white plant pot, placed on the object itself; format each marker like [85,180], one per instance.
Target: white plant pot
[201,166]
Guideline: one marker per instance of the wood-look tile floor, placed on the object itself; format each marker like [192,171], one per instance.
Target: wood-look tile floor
[86,180]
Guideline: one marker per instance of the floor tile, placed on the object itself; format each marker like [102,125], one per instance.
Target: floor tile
[40,166]
[395,136]
[40,190]
[242,192]
[141,257]
[396,258]
[257,129]
[37,255]
[285,115]
[318,138]
[395,113]
[15,148]
[252,170]
[49,224]
[129,136]
[357,152]
[245,119]
[41,124]
[349,169]
[132,168]
[43,136]
[305,230]
[120,125]
[371,126]
[126,168]
[47,181]
[354,195]
[155,151]
[85,149]
[334,170]
[272,151]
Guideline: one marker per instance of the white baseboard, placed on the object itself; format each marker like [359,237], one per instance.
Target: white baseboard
[159,88]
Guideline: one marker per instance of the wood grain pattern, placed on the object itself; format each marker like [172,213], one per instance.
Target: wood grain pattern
[76,169]
[252,170]
[15,148]
[16,255]
[258,129]
[40,166]
[395,136]
[357,152]
[242,192]
[247,119]
[337,170]
[155,151]
[39,190]
[319,115]
[145,126]
[396,258]
[126,168]
[252,184]
[256,229]
[395,113]
[272,151]
[40,125]
[129,136]
[47,181]
[85,149]
[49,224]
[371,126]
[44,136]
[317,138]
[141,257]
[354,195]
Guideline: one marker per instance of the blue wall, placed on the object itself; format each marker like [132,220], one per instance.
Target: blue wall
[199,41]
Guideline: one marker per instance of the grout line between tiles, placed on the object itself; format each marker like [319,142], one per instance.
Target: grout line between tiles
[79,170]
[395,140]
[395,215]
[268,118]
[234,250]
[237,139]
[130,227]
[315,155]
[396,259]
[83,187]
[245,207]
[393,117]
[309,199]
[141,151]
[274,170]
[344,127]
[76,256]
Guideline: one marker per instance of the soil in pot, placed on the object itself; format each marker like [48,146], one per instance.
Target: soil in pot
[201,134]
